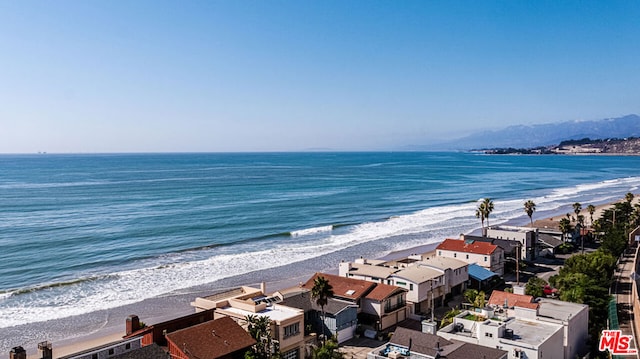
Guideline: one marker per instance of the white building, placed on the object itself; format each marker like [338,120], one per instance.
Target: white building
[484,254]
[573,317]
[520,338]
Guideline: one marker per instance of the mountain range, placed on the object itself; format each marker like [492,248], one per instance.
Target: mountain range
[529,136]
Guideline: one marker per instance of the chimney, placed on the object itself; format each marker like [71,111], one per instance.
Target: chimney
[462,236]
[429,327]
[45,348]
[133,324]
[263,287]
[17,353]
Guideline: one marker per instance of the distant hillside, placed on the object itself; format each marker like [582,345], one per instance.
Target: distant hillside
[523,136]
[585,146]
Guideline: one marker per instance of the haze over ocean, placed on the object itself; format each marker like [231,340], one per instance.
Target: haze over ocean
[81,233]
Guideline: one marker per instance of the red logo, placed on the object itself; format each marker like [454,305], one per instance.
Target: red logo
[616,343]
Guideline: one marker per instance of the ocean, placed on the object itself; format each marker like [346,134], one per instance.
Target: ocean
[82,234]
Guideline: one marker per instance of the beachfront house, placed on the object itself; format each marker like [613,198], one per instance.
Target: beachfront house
[526,239]
[217,339]
[456,272]
[380,306]
[486,255]
[427,279]
[287,324]
[340,319]
[156,333]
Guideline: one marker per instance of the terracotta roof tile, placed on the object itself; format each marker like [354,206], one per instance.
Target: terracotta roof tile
[458,245]
[383,291]
[212,339]
[523,304]
[499,297]
[343,287]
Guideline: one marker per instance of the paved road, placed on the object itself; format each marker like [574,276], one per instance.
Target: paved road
[622,290]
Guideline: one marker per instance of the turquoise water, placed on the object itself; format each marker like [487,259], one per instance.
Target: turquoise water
[80,233]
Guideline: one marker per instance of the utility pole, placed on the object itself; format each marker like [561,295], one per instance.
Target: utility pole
[518,264]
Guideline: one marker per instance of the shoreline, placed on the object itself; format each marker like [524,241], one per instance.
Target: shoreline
[178,304]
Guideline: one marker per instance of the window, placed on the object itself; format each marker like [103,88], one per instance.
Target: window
[401,283]
[439,253]
[291,354]
[389,281]
[292,329]
[111,351]
[467,256]
[485,258]
[455,255]
[490,335]
[127,346]
[410,286]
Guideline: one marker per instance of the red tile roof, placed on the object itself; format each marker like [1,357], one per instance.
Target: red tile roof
[383,291]
[347,288]
[212,339]
[499,297]
[527,305]
[459,245]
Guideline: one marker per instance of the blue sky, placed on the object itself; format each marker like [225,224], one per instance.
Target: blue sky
[164,76]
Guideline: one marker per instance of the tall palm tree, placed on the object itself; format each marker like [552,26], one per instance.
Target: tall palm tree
[591,209]
[480,214]
[577,207]
[321,292]
[529,208]
[565,227]
[484,210]
[488,208]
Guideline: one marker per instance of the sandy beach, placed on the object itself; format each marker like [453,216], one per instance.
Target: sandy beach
[162,309]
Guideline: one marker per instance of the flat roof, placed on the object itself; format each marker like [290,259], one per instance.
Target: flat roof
[418,274]
[534,333]
[372,270]
[275,312]
[558,309]
[444,262]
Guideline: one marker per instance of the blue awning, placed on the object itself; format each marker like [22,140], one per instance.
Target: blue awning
[480,273]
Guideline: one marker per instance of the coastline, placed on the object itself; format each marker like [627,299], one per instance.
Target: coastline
[176,305]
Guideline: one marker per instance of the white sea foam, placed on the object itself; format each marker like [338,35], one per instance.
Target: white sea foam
[309,231]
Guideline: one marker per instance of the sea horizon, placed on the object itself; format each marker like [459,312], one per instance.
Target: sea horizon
[91,233]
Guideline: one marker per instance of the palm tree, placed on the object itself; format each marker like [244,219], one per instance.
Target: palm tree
[529,208]
[321,292]
[484,209]
[480,214]
[591,209]
[577,207]
[480,300]
[470,295]
[259,327]
[488,208]
[629,197]
[448,317]
[565,227]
